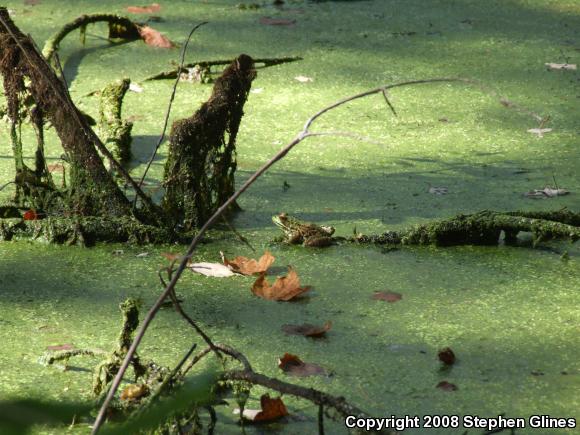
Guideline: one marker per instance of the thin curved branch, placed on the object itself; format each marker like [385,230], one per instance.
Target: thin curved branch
[51,45]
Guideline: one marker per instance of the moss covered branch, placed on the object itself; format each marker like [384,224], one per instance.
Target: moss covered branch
[199,173]
[206,64]
[119,27]
[483,228]
[114,132]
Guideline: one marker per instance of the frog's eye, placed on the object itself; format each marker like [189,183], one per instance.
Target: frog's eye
[283,215]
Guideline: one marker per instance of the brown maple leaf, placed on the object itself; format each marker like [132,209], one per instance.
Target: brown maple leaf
[294,366]
[151,9]
[153,38]
[307,329]
[249,266]
[284,288]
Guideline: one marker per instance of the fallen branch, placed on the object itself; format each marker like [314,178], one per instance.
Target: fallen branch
[184,69]
[482,228]
[339,404]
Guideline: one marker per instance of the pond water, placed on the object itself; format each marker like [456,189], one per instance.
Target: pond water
[509,313]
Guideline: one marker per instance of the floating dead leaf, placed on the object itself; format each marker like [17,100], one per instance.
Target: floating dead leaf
[66,346]
[537,373]
[257,90]
[30,215]
[268,21]
[561,66]
[303,79]
[285,288]
[307,329]
[134,87]
[134,392]
[153,38]
[216,270]
[294,366]
[142,255]
[56,167]
[546,192]
[388,296]
[446,356]
[446,386]
[438,190]
[249,266]
[151,9]
[272,409]
[539,131]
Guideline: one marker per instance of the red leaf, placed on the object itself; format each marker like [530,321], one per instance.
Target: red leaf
[30,215]
[446,386]
[151,9]
[387,296]
[272,409]
[268,21]
[446,356]
[153,38]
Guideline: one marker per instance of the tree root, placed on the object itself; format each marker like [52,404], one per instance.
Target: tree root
[86,231]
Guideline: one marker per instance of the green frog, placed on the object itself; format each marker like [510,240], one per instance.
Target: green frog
[309,234]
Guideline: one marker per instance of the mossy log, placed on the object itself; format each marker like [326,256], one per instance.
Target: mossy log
[199,173]
[88,230]
[25,72]
[206,64]
[483,228]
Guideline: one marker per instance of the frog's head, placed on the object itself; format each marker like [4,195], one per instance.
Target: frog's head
[282,221]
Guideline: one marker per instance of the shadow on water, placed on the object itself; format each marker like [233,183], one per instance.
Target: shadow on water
[73,61]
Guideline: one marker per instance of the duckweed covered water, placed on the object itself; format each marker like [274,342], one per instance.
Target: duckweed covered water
[510,314]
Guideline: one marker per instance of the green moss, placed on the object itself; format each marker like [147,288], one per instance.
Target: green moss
[114,132]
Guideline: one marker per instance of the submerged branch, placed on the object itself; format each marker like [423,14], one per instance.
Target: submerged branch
[184,68]
[52,43]
[483,228]
[339,404]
